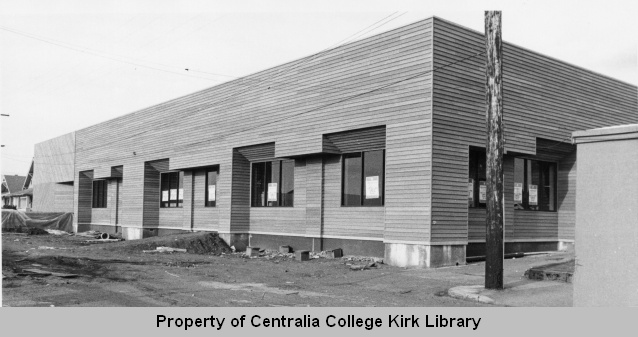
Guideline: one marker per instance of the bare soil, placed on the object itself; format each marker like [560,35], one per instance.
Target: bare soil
[209,274]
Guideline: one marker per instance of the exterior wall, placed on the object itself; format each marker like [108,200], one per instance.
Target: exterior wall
[54,164]
[544,100]
[395,90]
[286,106]
[607,219]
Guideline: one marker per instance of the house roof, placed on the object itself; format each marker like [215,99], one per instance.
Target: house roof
[21,193]
[13,183]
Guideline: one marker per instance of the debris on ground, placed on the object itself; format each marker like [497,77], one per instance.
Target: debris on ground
[90,234]
[103,240]
[40,272]
[165,250]
[57,232]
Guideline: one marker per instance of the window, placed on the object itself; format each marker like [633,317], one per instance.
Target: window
[363,178]
[99,193]
[534,185]
[211,187]
[273,183]
[172,189]
[477,190]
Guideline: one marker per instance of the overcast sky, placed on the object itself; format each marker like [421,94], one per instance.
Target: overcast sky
[71,64]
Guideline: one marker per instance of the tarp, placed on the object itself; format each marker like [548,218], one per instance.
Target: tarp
[12,219]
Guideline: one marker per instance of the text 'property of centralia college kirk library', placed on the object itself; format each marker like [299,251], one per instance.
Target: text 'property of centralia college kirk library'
[376,147]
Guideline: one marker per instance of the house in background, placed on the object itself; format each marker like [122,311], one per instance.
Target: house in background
[376,147]
[14,192]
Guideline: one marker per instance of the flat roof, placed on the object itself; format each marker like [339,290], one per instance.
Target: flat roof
[616,132]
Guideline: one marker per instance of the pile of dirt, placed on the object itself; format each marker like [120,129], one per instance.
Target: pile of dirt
[198,243]
[26,230]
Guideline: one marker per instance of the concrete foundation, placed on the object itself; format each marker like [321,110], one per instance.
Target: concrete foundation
[239,240]
[424,256]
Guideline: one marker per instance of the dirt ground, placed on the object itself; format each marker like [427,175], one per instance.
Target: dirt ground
[121,274]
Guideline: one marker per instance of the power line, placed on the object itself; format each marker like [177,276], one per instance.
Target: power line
[293,65]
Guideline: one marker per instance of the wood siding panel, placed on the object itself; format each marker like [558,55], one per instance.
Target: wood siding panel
[53,162]
[544,101]
[203,217]
[84,191]
[291,107]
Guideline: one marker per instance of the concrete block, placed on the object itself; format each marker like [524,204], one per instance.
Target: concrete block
[302,255]
[335,253]
[284,249]
[252,251]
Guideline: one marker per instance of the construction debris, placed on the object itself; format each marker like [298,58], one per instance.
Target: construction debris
[165,250]
[57,232]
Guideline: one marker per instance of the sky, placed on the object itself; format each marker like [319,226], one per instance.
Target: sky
[66,65]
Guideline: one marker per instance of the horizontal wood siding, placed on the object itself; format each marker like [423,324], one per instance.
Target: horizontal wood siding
[203,217]
[106,216]
[358,140]
[314,196]
[53,162]
[367,222]
[152,217]
[542,98]
[63,193]
[240,195]
[84,191]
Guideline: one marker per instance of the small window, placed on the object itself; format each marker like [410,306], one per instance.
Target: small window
[534,185]
[171,189]
[363,178]
[99,193]
[273,183]
[211,187]
[477,190]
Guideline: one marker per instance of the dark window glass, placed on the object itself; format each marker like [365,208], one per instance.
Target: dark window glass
[363,178]
[352,180]
[99,193]
[287,183]
[259,184]
[273,183]
[171,189]
[534,185]
[477,190]
[211,188]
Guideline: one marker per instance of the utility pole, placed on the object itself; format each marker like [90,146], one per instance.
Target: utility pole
[494,148]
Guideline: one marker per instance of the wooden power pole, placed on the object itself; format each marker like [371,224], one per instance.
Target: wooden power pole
[494,148]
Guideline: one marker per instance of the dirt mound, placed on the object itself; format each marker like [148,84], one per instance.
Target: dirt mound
[27,230]
[199,243]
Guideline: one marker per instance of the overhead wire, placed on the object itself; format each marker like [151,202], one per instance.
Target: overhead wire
[292,65]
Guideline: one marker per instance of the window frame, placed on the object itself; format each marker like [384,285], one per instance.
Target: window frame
[267,171]
[362,170]
[208,203]
[540,186]
[99,195]
[171,203]
[475,175]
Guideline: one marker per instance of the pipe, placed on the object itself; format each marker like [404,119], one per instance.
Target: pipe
[482,258]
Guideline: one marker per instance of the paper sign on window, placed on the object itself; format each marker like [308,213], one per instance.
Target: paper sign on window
[180,194]
[164,195]
[372,187]
[518,192]
[174,194]
[482,192]
[272,192]
[533,195]
[211,192]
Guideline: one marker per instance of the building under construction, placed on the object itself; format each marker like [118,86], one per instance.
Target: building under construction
[376,147]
